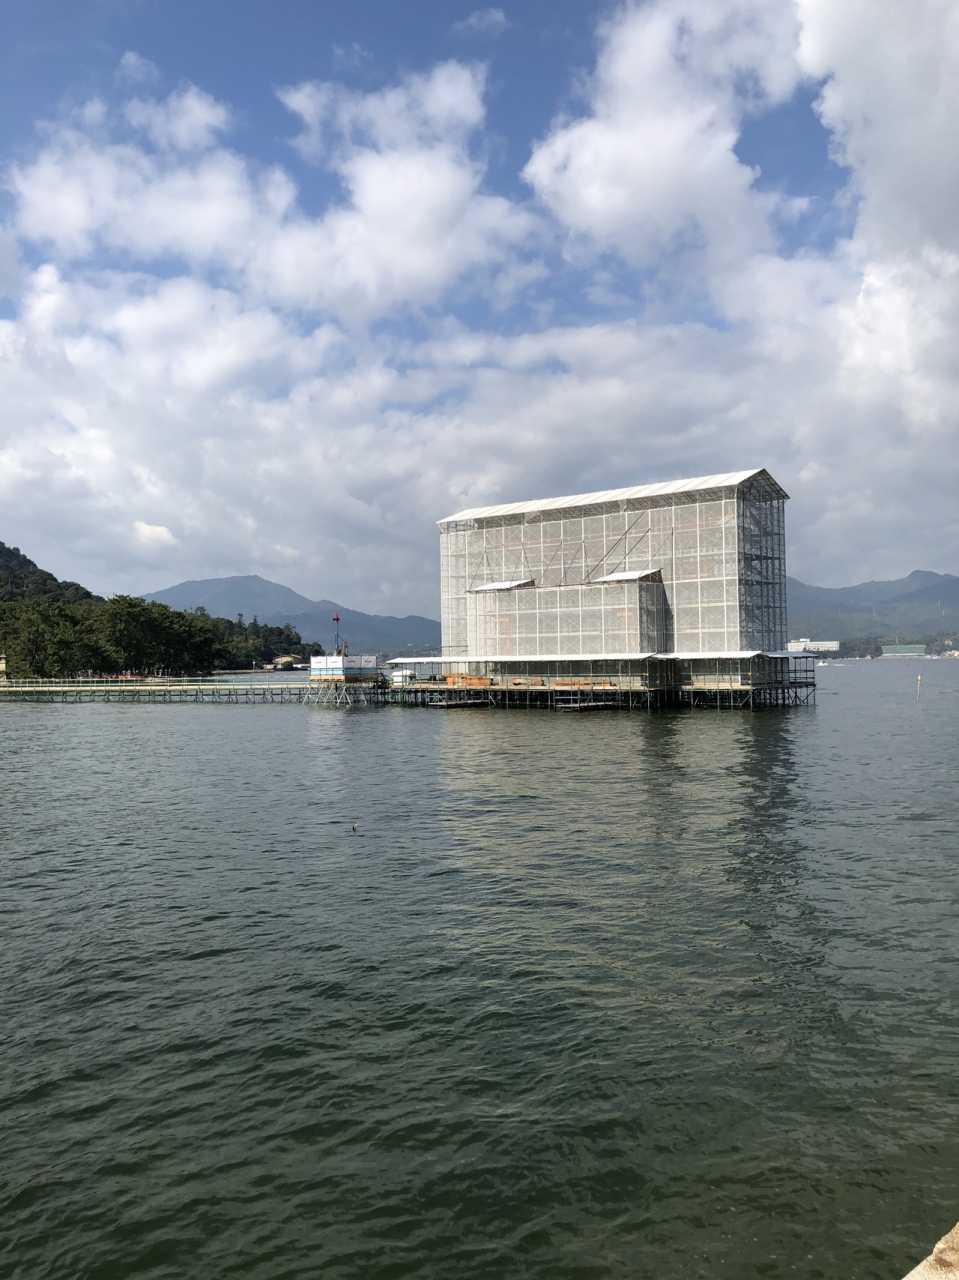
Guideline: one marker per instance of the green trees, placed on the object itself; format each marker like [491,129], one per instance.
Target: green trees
[147,637]
[248,644]
[21,579]
[51,638]
[50,628]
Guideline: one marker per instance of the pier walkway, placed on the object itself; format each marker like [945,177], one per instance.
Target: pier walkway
[155,690]
[561,694]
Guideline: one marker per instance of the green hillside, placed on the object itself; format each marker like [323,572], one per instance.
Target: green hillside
[922,604]
[52,628]
[21,579]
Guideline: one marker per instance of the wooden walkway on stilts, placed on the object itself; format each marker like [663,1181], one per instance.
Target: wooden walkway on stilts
[578,696]
[155,690]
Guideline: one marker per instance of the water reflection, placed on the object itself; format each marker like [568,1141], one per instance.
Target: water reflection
[656,847]
[624,995]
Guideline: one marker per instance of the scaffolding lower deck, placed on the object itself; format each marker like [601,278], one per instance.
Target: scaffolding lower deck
[724,685]
[732,682]
[788,685]
[595,698]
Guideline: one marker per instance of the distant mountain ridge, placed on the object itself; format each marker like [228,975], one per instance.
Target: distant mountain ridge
[921,604]
[248,594]
[275,604]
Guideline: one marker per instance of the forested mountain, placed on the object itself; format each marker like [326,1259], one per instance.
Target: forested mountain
[21,579]
[248,594]
[53,628]
[922,604]
[49,638]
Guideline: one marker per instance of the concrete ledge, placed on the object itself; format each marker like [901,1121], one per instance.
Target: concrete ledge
[942,1263]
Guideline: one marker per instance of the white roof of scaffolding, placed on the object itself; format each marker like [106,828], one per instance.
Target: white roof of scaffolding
[628,575]
[587,657]
[728,480]
[527,657]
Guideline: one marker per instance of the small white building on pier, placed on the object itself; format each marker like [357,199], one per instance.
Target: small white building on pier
[344,667]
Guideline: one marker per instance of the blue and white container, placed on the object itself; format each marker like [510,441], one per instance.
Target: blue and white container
[324,666]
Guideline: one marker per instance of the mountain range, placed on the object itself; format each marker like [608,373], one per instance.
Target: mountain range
[275,604]
[923,603]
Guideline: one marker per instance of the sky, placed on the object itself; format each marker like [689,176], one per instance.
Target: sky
[284,284]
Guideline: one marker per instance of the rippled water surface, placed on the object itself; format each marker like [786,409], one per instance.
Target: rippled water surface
[665,995]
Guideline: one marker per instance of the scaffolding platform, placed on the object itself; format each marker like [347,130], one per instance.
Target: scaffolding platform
[553,698]
[731,684]
[736,682]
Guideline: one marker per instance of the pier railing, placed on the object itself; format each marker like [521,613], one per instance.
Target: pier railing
[155,689]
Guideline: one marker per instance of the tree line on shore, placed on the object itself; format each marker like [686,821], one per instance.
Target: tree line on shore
[50,638]
[50,628]
[871,646]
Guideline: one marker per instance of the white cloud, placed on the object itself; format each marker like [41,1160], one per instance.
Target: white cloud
[10,270]
[188,120]
[350,56]
[891,99]
[440,109]
[135,69]
[482,22]
[153,537]
[415,219]
[649,169]
[263,398]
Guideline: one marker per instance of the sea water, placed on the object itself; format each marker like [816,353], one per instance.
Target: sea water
[290,991]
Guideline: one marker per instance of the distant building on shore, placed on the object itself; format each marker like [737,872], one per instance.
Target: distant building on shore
[903,650]
[813,646]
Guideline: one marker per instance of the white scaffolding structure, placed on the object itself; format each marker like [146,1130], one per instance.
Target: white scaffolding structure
[693,567]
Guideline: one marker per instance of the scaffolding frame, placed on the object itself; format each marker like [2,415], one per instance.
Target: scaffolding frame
[534,578]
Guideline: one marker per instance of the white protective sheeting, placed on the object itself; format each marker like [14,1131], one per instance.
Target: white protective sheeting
[738,653]
[727,480]
[582,657]
[630,575]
